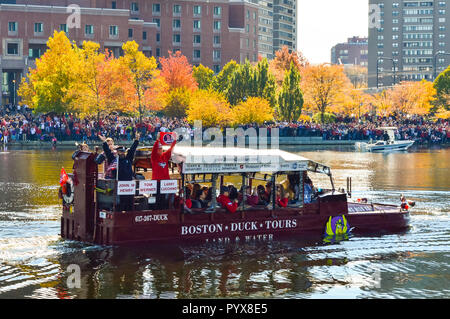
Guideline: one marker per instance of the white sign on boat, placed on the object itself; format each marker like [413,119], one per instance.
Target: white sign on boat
[148,187]
[126,187]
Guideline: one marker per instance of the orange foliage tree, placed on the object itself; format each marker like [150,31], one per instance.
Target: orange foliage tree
[282,63]
[177,71]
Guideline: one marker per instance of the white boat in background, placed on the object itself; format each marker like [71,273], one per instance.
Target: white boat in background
[388,144]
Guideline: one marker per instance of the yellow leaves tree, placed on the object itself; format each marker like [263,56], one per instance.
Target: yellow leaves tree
[383,102]
[210,107]
[413,98]
[140,69]
[282,63]
[322,86]
[48,88]
[253,110]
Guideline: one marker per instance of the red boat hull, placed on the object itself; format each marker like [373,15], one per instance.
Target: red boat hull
[258,225]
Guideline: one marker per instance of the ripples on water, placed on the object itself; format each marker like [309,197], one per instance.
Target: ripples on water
[414,264]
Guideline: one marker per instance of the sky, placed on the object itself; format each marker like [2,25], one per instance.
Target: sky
[324,23]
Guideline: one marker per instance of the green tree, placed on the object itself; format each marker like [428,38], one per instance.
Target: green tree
[442,86]
[265,82]
[204,76]
[290,99]
[221,81]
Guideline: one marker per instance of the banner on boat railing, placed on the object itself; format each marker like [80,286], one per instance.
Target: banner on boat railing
[169,186]
[126,187]
[148,187]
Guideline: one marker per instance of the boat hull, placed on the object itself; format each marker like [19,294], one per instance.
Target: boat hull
[396,146]
[173,226]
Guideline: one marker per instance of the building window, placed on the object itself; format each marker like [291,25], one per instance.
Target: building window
[158,37]
[176,9]
[217,11]
[113,5]
[197,39]
[197,10]
[177,38]
[196,54]
[130,33]
[158,51]
[144,35]
[89,29]
[156,8]
[157,21]
[113,30]
[216,54]
[197,25]
[217,25]
[216,39]
[176,24]
[38,27]
[63,27]
[216,68]
[13,49]
[12,26]
[134,7]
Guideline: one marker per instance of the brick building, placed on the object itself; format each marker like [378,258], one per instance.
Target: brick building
[208,32]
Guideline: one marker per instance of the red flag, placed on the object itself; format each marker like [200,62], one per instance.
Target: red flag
[63,177]
[166,138]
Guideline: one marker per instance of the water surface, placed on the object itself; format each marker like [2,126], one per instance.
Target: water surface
[414,264]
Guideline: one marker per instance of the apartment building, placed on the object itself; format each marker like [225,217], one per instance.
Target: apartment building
[352,52]
[408,40]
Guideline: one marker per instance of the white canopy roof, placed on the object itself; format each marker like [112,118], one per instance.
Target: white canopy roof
[197,160]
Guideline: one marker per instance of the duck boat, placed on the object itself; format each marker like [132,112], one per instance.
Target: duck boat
[91,210]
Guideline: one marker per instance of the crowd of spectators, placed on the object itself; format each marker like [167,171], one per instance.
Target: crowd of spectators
[20,124]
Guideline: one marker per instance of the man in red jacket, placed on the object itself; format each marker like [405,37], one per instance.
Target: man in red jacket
[160,170]
[225,201]
[160,160]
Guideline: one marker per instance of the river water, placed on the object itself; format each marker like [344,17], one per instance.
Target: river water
[36,263]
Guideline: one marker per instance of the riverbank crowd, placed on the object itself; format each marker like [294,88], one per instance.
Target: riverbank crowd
[20,124]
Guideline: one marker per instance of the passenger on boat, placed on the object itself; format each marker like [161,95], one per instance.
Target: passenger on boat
[125,171]
[282,198]
[309,190]
[268,191]
[250,199]
[262,197]
[200,199]
[109,168]
[224,200]
[160,160]
[292,188]
[233,192]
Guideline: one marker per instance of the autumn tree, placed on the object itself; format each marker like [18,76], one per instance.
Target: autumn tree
[253,110]
[383,102]
[177,102]
[48,87]
[413,98]
[210,107]
[282,62]
[140,69]
[177,71]
[358,75]
[103,83]
[203,76]
[290,99]
[322,85]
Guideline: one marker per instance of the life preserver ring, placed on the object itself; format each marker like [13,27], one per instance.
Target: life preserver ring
[67,192]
